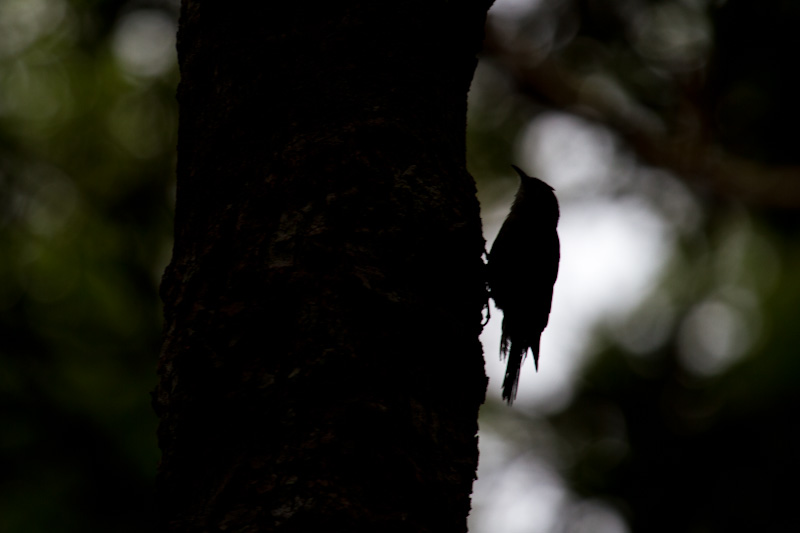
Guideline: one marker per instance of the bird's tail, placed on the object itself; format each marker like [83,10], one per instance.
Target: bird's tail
[511,380]
[515,348]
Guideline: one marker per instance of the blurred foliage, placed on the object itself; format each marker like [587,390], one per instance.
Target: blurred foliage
[682,411]
[681,417]
[87,136]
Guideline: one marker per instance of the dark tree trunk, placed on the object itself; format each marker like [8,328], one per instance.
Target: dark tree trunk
[321,369]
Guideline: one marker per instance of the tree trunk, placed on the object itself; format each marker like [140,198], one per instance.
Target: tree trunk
[321,369]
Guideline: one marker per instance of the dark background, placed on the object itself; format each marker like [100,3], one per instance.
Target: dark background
[681,409]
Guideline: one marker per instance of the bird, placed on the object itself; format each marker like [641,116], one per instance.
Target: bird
[522,269]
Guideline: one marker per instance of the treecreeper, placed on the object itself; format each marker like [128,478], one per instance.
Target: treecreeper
[522,269]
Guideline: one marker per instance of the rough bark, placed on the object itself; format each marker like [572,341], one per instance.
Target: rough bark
[321,369]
